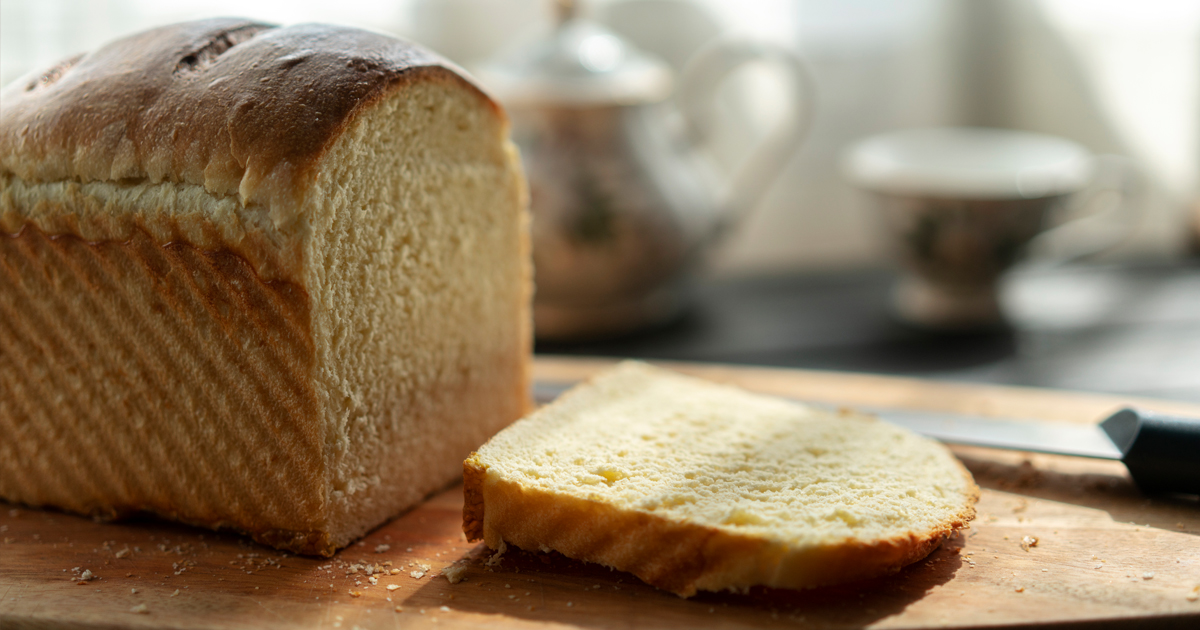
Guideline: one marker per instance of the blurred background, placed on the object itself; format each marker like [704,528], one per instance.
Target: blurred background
[802,275]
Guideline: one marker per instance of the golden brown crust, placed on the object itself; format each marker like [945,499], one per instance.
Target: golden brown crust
[473,478]
[202,410]
[679,557]
[241,108]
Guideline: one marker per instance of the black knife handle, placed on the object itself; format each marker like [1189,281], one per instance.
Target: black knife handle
[1161,452]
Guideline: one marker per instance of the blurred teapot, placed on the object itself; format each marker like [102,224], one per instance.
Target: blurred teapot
[623,202]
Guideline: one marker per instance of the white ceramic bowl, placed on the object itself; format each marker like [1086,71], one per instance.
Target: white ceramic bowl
[968,163]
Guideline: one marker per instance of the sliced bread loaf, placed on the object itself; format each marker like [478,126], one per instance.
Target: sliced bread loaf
[693,486]
[269,279]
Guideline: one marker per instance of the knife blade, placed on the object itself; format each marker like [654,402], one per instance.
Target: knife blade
[1161,452]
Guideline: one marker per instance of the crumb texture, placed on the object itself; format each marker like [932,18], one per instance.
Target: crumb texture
[788,486]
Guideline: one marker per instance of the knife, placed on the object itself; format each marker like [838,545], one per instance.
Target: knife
[1161,452]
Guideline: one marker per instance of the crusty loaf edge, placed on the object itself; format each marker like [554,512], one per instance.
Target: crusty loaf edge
[302,542]
[237,124]
[677,556]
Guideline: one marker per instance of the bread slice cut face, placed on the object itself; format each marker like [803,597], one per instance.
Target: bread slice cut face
[694,486]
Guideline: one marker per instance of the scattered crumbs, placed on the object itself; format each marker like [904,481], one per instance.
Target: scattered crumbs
[454,573]
[352,593]
[416,575]
[1020,589]
[133,590]
[177,592]
[140,609]
[392,587]
[1099,566]
[382,548]
[444,609]
[124,553]
[1148,575]
[399,609]
[1045,570]
[408,549]
[1028,541]
[396,572]
[373,580]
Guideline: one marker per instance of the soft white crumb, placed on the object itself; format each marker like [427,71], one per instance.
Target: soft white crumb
[140,609]
[1148,575]
[392,587]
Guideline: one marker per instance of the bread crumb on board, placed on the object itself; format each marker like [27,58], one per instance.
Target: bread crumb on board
[454,573]
[140,609]
[1027,542]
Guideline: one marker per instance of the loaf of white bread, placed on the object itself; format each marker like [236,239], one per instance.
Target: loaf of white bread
[696,486]
[268,279]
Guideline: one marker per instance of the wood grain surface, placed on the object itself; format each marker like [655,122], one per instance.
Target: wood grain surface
[1104,554]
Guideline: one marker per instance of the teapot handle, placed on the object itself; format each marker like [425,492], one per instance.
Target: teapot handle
[704,74]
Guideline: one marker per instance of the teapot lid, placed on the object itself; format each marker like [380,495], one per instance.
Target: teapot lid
[579,63]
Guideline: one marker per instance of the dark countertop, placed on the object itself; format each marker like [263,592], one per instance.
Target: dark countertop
[1132,329]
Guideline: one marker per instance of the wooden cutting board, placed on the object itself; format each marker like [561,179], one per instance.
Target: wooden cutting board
[1103,553]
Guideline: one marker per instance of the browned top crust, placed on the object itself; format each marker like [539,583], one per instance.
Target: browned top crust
[236,106]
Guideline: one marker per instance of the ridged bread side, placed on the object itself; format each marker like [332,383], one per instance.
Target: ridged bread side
[677,556]
[194,411]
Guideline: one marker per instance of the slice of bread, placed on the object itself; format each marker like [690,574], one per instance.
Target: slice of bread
[693,486]
[271,279]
